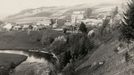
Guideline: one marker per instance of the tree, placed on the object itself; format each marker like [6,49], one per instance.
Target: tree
[52,21]
[105,24]
[83,28]
[114,12]
[88,13]
[1,22]
[127,29]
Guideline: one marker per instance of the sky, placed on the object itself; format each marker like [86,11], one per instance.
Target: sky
[8,7]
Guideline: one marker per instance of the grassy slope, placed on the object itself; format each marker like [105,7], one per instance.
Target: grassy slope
[34,68]
[9,61]
[103,53]
[114,63]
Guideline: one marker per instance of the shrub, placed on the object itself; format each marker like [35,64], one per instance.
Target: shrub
[47,40]
[58,45]
[105,25]
[83,28]
[49,36]
[74,47]
[65,59]
[80,45]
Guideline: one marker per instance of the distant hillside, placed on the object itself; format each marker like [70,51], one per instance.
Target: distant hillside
[50,12]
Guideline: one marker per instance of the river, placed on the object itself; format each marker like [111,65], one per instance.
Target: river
[37,62]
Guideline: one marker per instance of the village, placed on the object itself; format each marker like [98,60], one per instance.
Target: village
[83,39]
[59,23]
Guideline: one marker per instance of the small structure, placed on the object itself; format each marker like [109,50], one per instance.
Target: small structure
[45,22]
[8,26]
[17,27]
[25,27]
[93,22]
[77,16]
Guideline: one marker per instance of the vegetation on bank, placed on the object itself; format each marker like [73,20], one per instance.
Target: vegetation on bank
[75,49]
[70,48]
[127,30]
[8,62]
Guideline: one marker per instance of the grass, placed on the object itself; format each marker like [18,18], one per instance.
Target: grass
[99,47]
[35,68]
[105,52]
[7,59]
[9,62]
[20,40]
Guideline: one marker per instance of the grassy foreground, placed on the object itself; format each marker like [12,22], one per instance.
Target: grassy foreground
[9,61]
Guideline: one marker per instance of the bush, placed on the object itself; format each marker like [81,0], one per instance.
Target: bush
[65,59]
[72,48]
[83,28]
[80,45]
[47,40]
[58,45]
[49,36]
[105,25]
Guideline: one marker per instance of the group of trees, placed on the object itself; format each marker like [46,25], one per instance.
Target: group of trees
[82,28]
[127,28]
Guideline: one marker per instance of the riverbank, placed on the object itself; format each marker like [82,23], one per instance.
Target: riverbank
[9,62]
[68,47]
[35,68]
[37,63]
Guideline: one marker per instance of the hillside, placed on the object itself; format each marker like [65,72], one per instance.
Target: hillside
[114,63]
[59,12]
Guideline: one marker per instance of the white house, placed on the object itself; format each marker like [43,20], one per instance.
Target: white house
[8,26]
[77,16]
[93,22]
[45,22]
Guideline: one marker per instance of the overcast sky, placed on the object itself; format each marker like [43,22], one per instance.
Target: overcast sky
[8,7]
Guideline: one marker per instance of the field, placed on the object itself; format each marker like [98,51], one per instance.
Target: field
[20,40]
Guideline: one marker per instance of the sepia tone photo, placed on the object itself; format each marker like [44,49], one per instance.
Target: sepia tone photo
[66,37]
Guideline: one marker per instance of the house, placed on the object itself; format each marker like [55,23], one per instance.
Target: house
[77,16]
[45,22]
[93,22]
[8,26]
[67,23]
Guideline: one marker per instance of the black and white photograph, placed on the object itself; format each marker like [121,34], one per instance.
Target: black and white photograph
[66,37]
